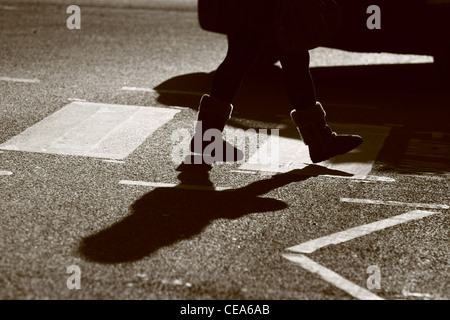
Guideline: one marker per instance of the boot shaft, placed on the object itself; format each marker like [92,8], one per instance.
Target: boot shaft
[207,140]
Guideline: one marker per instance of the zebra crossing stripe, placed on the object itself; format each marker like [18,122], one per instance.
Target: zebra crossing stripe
[294,154]
[89,129]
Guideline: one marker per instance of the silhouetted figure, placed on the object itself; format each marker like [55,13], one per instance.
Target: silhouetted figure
[248,34]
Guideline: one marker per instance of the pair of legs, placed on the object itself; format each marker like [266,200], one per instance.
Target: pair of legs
[243,51]
[307,114]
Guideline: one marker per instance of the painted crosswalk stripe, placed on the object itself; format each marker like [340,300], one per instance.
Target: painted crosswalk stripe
[332,277]
[172,185]
[293,154]
[396,203]
[89,129]
[8,79]
[353,233]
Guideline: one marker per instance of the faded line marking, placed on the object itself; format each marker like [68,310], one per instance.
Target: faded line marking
[172,185]
[195,93]
[10,8]
[19,80]
[139,89]
[372,179]
[113,161]
[350,234]
[76,99]
[380,179]
[244,171]
[396,203]
[406,293]
[367,179]
[5,173]
[332,277]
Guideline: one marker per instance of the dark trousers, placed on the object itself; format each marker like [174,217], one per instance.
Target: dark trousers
[243,50]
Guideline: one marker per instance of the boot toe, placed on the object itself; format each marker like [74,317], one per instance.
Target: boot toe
[338,145]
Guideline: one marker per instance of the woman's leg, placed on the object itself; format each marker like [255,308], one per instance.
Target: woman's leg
[243,50]
[308,114]
[297,78]
[215,109]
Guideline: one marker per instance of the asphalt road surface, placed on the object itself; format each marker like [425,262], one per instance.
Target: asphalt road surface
[96,204]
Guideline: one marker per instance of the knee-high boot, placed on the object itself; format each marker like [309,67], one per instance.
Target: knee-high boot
[207,140]
[322,142]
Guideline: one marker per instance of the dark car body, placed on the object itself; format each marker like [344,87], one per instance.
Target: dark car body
[407,26]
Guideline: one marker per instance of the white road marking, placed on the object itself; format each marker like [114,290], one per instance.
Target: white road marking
[244,171]
[332,277]
[195,93]
[7,79]
[139,89]
[178,107]
[350,234]
[396,203]
[406,293]
[114,161]
[294,154]
[9,8]
[172,185]
[93,130]
[5,173]
[76,99]
[377,179]
[367,179]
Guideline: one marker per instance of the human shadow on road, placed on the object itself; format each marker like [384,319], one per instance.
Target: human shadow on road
[167,215]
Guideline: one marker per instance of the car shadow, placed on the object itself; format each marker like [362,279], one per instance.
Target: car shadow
[167,215]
